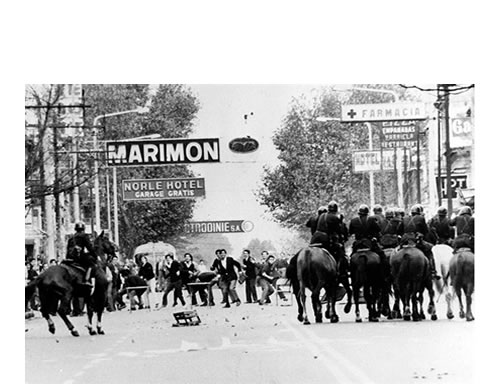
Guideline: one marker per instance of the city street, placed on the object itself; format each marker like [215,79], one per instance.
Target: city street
[250,344]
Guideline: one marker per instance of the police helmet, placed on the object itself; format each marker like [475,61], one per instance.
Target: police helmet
[400,211]
[389,213]
[442,211]
[322,209]
[416,209]
[465,210]
[80,226]
[363,209]
[333,206]
[377,208]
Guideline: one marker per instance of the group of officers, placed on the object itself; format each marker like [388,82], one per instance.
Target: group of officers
[391,229]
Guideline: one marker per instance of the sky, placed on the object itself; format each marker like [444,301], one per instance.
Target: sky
[232,183]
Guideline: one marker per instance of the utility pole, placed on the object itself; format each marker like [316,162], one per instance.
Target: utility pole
[448,150]
[439,182]
[419,195]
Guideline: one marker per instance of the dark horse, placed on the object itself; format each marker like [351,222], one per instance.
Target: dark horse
[411,273]
[462,279]
[366,273]
[314,268]
[60,283]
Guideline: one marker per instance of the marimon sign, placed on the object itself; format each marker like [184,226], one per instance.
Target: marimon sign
[383,112]
[224,226]
[162,152]
[153,189]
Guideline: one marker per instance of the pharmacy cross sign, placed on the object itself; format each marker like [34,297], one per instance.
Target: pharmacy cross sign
[383,112]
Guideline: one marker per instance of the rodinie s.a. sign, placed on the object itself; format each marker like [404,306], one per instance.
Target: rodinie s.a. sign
[162,152]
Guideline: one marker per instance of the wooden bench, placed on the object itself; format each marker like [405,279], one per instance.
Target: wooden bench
[186,318]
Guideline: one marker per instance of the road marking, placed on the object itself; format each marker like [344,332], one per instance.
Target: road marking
[320,348]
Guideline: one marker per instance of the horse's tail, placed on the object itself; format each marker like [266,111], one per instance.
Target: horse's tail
[404,269]
[306,271]
[361,267]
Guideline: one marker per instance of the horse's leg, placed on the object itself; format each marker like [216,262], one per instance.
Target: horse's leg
[355,290]
[396,311]
[334,318]
[62,311]
[344,280]
[90,316]
[458,291]
[406,298]
[431,308]
[414,303]
[303,302]
[316,302]
[100,331]
[300,316]
[449,298]
[468,298]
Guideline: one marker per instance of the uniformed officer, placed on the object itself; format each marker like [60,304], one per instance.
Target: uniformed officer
[464,224]
[393,231]
[80,250]
[365,229]
[440,224]
[415,230]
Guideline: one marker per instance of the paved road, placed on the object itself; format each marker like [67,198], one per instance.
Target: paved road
[250,344]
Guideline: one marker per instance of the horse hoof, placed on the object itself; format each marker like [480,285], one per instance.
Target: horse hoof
[91,331]
[470,318]
[100,331]
[334,319]
[398,315]
[462,315]
[422,316]
[327,315]
[450,315]
[75,333]
[347,308]
[307,322]
[300,318]
[359,320]
[434,317]
[52,328]
[319,320]
[406,317]
[373,319]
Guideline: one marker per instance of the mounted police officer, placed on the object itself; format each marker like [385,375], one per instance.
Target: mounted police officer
[440,225]
[331,233]
[81,251]
[415,230]
[365,229]
[313,220]
[464,223]
[391,233]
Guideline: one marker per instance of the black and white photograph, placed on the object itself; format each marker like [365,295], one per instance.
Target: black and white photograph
[250,192]
[230,232]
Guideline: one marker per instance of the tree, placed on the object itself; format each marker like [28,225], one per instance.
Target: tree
[256,246]
[203,246]
[316,159]
[172,109]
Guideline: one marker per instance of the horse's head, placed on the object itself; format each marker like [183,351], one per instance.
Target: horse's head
[104,246]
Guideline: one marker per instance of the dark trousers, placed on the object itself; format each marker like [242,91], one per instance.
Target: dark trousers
[201,291]
[229,291]
[250,289]
[175,286]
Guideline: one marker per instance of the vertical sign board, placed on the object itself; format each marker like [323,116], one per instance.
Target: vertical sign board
[162,152]
[153,189]
[461,132]
[71,115]
[457,181]
[399,134]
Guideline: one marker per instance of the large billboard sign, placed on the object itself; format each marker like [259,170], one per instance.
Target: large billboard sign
[223,226]
[383,112]
[153,189]
[162,152]
[367,161]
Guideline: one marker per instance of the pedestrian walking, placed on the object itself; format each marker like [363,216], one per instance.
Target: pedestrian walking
[147,273]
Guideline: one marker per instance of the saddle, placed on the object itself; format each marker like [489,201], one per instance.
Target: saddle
[73,264]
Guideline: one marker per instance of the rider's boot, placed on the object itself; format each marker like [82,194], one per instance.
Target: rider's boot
[432,264]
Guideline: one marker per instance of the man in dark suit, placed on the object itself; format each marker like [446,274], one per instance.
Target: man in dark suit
[227,269]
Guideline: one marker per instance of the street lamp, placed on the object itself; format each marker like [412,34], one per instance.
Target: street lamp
[115,187]
[96,165]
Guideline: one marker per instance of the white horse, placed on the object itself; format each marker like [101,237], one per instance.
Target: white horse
[442,255]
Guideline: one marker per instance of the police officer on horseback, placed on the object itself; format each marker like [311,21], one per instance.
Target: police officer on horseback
[415,230]
[464,224]
[391,233]
[331,233]
[81,251]
[366,231]
[440,225]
